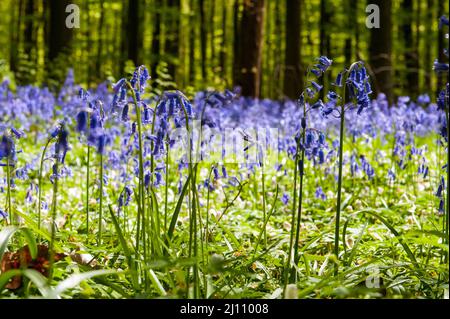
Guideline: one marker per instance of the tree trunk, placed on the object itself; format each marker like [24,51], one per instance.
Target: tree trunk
[14,32]
[156,38]
[428,62]
[212,33]
[59,36]
[203,39]
[252,26]
[172,45]
[380,49]
[192,26]
[223,50]
[98,60]
[325,39]
[410,55]
[135,31]
[29,44]
[293,76]
[237,42]
[442,44]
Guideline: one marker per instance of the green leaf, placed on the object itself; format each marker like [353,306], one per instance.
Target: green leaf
[176,212]
[74,280]
[9,231]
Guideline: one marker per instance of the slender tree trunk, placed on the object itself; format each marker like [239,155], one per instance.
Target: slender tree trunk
[203,39]
[124,37]
[98,60]
[442,44]
[278,60]
[60,37]
[135,32]
[428,62]
[29,42]
[293,76]
[354,9]
[252,26]
[212,33]
[88,46]
[192,48]
[325,40]
[14,31]
[237,42]
[156,38]
[411,55]
[172,43]
[380,50]
[223,50]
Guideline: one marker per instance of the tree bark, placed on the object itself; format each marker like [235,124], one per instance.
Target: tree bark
[428,62]
[203,39]
[237,42]
[410,55]
[172,44]
[442,44]
[98,60]
[252,26]
[293,75]
[223,50]
[156,38]
[135,31]
[380,50]
[59,36]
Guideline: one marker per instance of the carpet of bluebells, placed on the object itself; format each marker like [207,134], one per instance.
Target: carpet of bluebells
[114,192]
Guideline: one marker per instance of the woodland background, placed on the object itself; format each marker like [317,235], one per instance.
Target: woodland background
[263,46]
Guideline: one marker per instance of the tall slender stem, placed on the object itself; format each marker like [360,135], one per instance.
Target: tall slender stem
[447,109]
[88,176]
[53,226]
[263,177]
[8,177]
[300,201]
[41,168]
[100,213]
[294,209]
[141,193]
[339,194]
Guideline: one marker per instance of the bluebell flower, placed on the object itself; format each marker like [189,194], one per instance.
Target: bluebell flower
[125,117]
[423,99]
[443,20]
[359,87]
[18,134]
[82,121]
[62,143]
[320,194]
[8,149]
[440,67]
[318,104]
[216,173]
[3,214]
[285,199]
[338,81]
[224,172]
[317,87]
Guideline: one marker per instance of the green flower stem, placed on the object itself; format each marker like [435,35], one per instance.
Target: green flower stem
[294,209]
[448,172]
[53,221]
[100,213]
[8,194]
[341,152]
[41,168]
[141,191]
[88,176]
